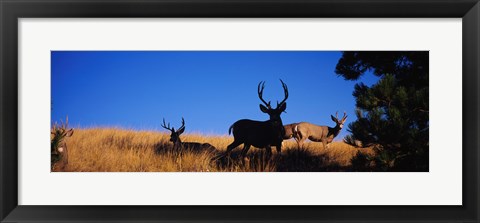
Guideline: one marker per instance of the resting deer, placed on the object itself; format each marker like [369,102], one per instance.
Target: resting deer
[58,146]
[315,133]
[257,133]
[179,145]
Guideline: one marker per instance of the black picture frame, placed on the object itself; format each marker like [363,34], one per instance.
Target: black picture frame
[11,11]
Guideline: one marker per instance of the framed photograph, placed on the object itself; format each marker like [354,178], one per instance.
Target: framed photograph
[239,111]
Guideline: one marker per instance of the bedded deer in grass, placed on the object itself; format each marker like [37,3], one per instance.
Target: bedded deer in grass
[257,133]
[315,133]
[58,146]
[178,145]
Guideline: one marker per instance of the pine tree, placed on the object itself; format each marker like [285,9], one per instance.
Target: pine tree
[392,115]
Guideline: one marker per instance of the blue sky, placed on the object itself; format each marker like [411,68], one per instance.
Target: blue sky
[210,89]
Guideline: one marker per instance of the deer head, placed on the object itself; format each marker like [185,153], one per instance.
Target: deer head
[341,121]
[175,135]
[274,113]
[58,144]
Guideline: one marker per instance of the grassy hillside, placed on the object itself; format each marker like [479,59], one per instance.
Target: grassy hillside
[117,150]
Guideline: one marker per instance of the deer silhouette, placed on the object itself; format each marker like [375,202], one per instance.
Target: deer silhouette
[179,145]
[257,133]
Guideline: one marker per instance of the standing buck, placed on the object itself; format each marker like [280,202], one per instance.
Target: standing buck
[257,133]
[58,146]
[178,145]
[315,133]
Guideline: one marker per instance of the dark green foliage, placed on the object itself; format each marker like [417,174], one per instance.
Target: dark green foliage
[393,113]
[361,162]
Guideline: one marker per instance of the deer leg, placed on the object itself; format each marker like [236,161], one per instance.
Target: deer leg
[231,147]
[269,151]
[299,138]
[279,148]
[300,143]
[245,149]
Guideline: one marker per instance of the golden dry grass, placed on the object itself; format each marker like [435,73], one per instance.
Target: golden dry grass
[118,150]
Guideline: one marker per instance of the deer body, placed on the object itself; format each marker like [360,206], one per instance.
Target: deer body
[193,146]
[257,133]
[316,133]
[260,134]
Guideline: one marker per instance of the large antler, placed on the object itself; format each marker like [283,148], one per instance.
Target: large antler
[344,115]
[343,118]
[167,127]
[285,90]
[261,86]
[181,127]
[60,128]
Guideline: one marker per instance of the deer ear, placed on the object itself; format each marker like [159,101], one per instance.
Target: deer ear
[333,118]
[283,107]
[181,130]
[344,119]
[69,133]
[263,108]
